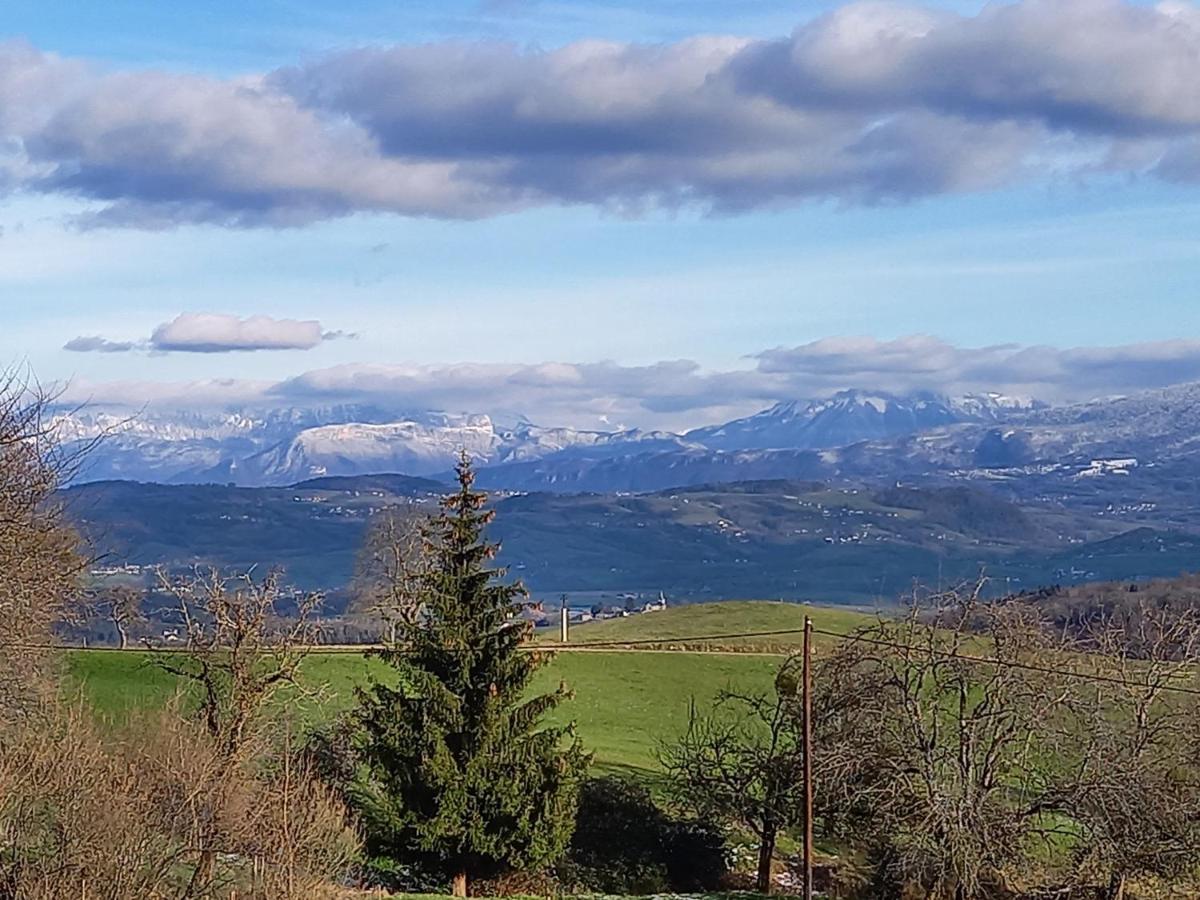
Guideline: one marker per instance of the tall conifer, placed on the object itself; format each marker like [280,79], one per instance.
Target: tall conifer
[463,771]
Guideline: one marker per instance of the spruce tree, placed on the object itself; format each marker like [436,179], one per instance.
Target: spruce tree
[462,770]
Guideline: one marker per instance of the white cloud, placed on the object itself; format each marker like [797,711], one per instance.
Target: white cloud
[214,333]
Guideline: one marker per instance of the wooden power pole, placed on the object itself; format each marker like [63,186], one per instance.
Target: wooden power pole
[808,765]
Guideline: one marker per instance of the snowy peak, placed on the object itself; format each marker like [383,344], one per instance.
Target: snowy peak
[846,418]
[411,448]
[284,446]
[993,406]
[288,445]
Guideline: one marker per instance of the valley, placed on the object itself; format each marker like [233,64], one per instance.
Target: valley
[787,539]
[851,499]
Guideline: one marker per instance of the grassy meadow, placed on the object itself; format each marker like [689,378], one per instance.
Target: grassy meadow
[625,701]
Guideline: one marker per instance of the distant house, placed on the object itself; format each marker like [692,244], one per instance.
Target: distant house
[656,605]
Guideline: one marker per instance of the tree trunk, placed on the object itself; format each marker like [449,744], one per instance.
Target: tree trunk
[766,855]
[1116,887]
[203,874]
[460,885]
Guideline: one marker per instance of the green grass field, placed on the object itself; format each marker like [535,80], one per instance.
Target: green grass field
[626,701]
[624,704]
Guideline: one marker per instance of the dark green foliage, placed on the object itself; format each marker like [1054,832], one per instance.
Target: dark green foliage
[625,843]
[697,856]
[1001,449]
[331,755]
[975,512]
[462,772]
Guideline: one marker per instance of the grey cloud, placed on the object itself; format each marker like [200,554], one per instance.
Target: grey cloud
[575,393]
[927,363]
[218,333]
[872,102]
[680,394]
[1094,66]
[97,344]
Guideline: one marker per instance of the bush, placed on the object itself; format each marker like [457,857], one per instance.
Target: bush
[83,805]
[625,844]
[697,857]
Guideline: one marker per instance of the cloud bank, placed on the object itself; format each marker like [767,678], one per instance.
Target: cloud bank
[216,333]
[874,102]
[679,394]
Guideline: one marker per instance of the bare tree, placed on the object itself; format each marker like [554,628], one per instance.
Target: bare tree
[119,813]
[238,655]
[389,568]
[280,832]
[40,562]
[743,762]
[930,752]
[1132,785]
[238,651]
[120,605]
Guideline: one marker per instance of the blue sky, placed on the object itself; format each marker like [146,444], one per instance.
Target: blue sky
[226,35]
[1042,218]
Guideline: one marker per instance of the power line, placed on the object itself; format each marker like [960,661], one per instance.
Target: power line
[641,642]
[863,639]
[1012,664]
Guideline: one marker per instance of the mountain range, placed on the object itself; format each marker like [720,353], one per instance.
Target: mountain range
[284,446]
[1135,457]
[822,498]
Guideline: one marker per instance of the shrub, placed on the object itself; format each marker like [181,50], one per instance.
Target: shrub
[119,810]
[624,843]
[696,856]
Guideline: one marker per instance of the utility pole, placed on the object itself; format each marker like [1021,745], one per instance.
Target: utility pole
[808,766]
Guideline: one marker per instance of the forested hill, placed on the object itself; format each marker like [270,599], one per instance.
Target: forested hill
[751,539]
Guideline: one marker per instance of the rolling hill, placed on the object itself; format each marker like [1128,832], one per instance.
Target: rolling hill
[785,539]
[777,627]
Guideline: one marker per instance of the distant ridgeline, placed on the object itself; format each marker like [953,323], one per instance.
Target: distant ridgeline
[837,542]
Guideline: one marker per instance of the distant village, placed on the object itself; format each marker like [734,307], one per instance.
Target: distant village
[621,607]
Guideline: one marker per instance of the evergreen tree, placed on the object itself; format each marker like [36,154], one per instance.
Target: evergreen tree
[462,772]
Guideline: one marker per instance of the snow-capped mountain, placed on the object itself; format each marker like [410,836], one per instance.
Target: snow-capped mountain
[990,437]
[186,446]
[289,445]
[408,447]
[853,416]
[850,435]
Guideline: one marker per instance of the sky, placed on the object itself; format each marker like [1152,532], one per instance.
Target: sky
[598,214]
